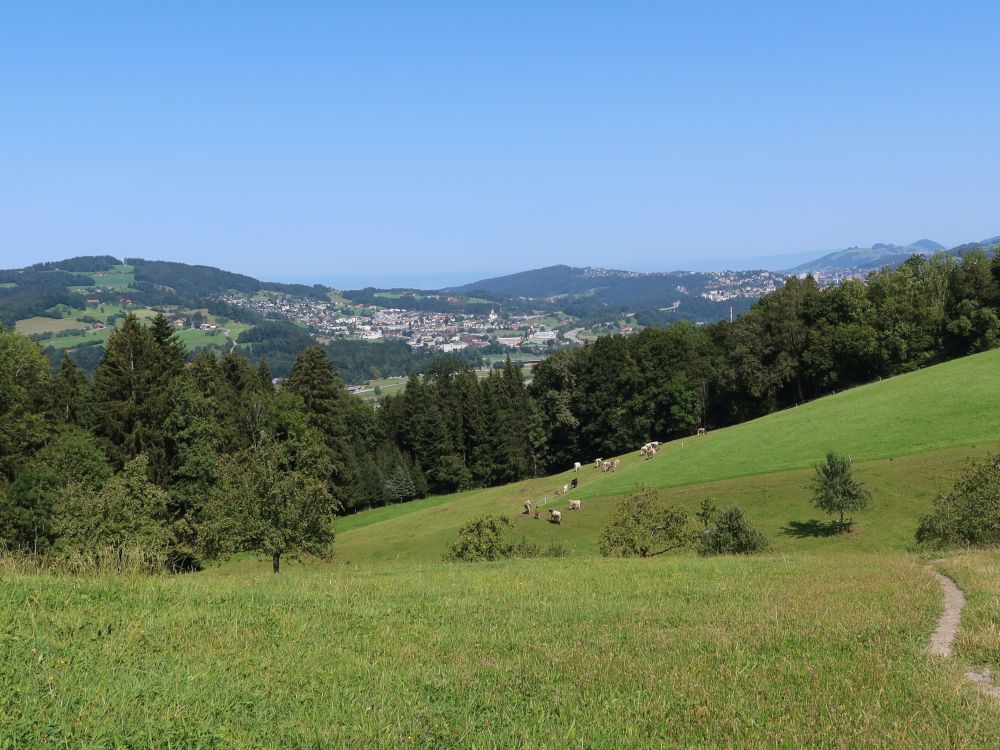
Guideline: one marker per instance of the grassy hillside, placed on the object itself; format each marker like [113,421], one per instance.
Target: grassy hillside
[978,575]
[823,650]
[909,435]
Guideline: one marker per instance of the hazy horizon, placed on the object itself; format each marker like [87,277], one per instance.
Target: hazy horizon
[392,141]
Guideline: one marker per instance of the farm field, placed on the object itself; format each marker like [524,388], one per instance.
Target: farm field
[65,342]
[193,338]
[30,326]
[810,650]
[119,277]
[909,436]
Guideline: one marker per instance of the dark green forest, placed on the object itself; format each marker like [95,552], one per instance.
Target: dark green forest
[195,460]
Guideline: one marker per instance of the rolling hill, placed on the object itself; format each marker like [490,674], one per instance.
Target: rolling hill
[908,435]
[881,255]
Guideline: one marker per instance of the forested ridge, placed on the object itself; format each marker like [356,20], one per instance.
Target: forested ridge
[195,460]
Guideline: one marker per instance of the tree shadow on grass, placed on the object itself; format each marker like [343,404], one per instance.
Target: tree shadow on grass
[812,527]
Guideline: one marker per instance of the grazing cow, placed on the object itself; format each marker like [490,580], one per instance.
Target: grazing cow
[527,507]
[598,462]
[555,516]
[701,431]
[574,483]
[576,466]
[651,452]
[605,466]
[615,464]
[574,505]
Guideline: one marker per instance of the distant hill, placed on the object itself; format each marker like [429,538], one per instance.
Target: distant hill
[882,254]
[595,291]
[868,258]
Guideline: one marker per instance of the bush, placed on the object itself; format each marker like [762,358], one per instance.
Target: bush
[488,538]
[970,513]
[483,538]
[643,525]
[732,534]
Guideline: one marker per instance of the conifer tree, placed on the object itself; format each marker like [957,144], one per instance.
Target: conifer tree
[326,404]
[130,394]
[69,397]
[172,350]
[264,375]
[192,447]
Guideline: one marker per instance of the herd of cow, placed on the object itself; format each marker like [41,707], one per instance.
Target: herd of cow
[649,450]
[555,516]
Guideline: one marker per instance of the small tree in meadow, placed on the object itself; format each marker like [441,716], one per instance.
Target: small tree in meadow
[274,499]
[731,533]
[836,491]
[483,538]
[642,525]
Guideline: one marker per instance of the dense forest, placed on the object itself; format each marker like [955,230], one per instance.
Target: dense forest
[194,460]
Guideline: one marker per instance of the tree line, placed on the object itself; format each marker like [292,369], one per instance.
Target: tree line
[196,460]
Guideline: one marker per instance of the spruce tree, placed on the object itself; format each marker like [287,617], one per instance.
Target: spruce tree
[326,404]
[172,349]
[130,395]
[264,375]
[69,398]
[192,448]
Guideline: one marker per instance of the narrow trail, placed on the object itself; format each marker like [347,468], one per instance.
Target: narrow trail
[947,629]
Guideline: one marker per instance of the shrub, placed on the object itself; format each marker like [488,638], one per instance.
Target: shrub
[482,538]
[488,538]
[642,525]
[732,534]
[970,513]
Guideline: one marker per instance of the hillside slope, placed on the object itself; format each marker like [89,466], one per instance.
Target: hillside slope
[909,435]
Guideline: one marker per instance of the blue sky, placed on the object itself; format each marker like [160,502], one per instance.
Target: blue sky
[450,140]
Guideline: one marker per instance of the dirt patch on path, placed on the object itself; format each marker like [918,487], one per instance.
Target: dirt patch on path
[947,629]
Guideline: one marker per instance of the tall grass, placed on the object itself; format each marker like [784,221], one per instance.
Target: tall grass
[100,560]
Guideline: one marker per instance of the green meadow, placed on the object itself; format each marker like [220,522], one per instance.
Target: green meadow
[821,642]
[909,436]
[823,650]
[30,326]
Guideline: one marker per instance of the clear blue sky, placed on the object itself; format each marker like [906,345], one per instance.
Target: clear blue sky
[453,139]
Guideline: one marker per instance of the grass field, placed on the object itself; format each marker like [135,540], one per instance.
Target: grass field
[820,643]
[195,337]
[119,277]
[978,575]
[29,326]
[910,436]
[725,652]
[68,342]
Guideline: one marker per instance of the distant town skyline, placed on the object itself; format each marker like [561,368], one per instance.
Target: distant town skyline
[452,142]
